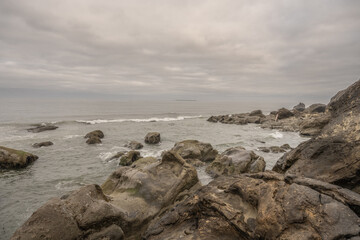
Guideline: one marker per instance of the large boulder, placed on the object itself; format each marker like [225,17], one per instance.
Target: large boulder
[258,113]
[334,154]
[283,113]
[316,108]
[313,126]
[152,138]
[14,159]
[194,150]
[134,196]
[300,107]
[42,127]
[261,206]
[42,144]
[234,161]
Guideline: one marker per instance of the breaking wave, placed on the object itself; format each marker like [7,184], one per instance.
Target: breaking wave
[165,119]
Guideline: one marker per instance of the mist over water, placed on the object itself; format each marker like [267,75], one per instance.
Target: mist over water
[70,163]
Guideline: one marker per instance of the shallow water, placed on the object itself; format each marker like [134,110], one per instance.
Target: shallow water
[71,163]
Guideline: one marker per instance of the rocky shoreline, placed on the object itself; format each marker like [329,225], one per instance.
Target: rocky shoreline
[311,193]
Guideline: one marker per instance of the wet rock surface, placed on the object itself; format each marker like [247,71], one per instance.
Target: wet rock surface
[128,158]
[94,137]
[152,138]
[261,206]
[235,161]
[332,155]
[15,159]
[134,145]
[42,144]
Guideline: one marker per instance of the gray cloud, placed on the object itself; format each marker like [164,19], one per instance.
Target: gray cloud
[206,49]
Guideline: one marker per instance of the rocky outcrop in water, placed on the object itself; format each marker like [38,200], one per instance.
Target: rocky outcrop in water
[15,159]
[134,145]
[124,205]
[42,144]
[334,154]
[235,161]
[262,206]
[152,138]
[309,121]
[94,137]
[42,127]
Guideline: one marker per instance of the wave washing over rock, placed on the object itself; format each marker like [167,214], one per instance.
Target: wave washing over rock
[312,194]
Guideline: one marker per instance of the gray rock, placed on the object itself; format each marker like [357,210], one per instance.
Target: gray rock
[96,133]
[236,161]
[193,149]
[283,113]
[300,107]
[152,138]
[316,108]
[93,140]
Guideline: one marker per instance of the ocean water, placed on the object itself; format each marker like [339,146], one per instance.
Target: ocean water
[70,163]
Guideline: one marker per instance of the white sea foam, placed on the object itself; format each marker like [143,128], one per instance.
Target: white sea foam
[165,119]
[71,136]
[105,156]
[277,135]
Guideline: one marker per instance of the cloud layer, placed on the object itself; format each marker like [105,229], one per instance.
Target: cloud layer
[163,48]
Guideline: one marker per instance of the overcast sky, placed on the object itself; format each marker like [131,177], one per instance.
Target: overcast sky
[210,49]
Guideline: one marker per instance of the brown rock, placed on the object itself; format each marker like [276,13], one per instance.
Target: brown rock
[14,159]
[193,149]
[261,206]
[96,133]
[134,145]
[42,144]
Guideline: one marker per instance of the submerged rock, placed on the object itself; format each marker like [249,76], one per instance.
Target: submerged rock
[332,155]
[42,128]
[117,155]
[134,145]
[236,161]
[42,144]
[134,196]
[14,159]
[152,138]
[261,206]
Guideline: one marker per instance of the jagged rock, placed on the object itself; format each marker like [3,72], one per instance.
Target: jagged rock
[283,113]
[214,119]
[152,138]
[96,133]
[261,206]
[313,126]
[42,128]
[128,158]
[14,159]
[285,146]
[93,140]
[42,144]
[236,161]
[192,150]
[316,108]
[134,145]
[134,196]
[300,107]
[333,155]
